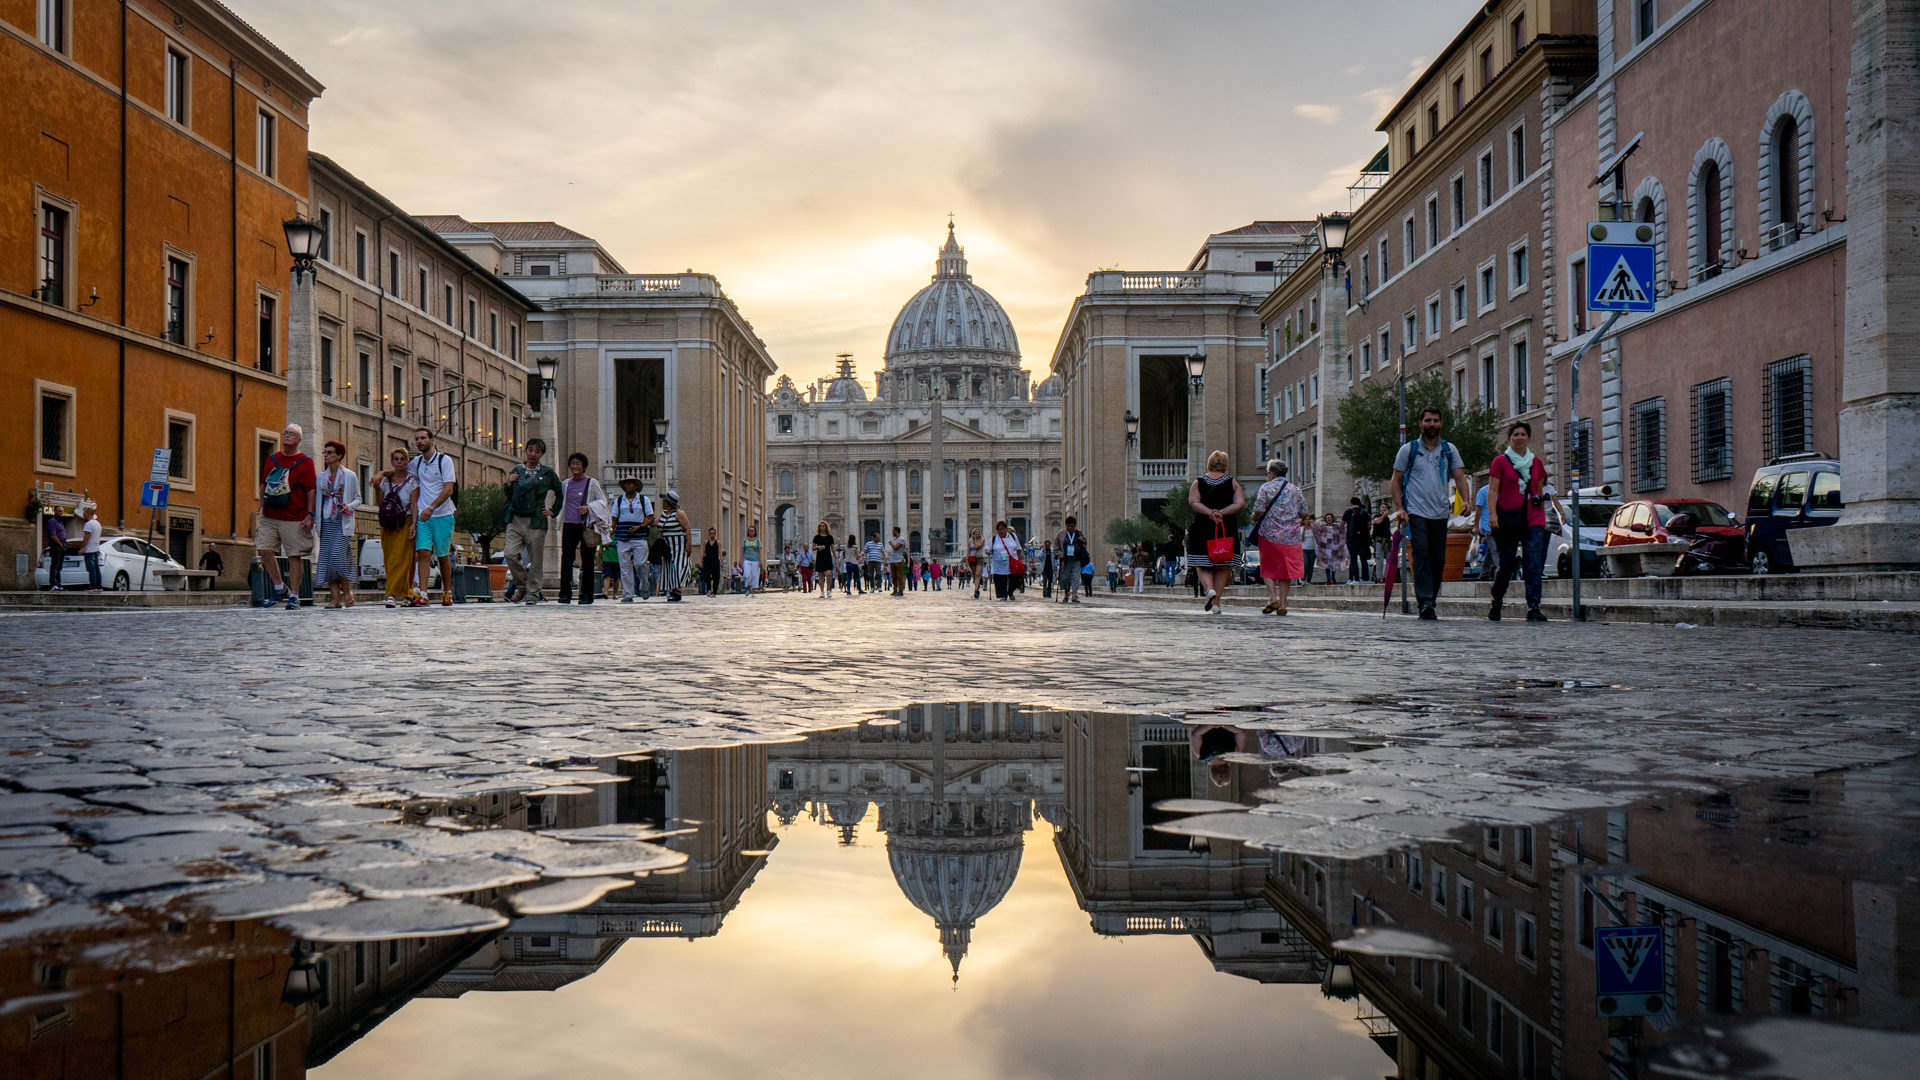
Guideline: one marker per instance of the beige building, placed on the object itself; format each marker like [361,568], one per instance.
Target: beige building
[633,349]
[1125,348]
[952,401]
[410,332]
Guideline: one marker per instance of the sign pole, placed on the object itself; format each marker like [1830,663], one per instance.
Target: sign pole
[154,496]
[1573,413]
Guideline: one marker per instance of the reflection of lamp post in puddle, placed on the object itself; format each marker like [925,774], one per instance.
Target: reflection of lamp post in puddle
[1339,983]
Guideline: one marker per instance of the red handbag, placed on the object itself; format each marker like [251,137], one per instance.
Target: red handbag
[1220,548]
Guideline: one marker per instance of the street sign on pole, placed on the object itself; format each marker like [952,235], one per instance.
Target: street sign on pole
[153,494]
[1630,970]
[1620,266]
[162,466]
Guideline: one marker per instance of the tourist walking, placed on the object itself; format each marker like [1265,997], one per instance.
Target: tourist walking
[1003,560]
[1331,541]
[534,496]
[896,557]
[434,480]
[1113,574]
[1517,493]
[339,490]
[577,536]
[1279,525]
[1359,526]
[393,494]
[1048,570]
[823,560]
[750,560]
[1309,551]
[1213,540]
[710,564]
[1142,564]
[874,553]
[90,544]
[285,522]
[976,551]
[674,531]
[1420,499]
[633,515]
[1382,537]
[1071,544]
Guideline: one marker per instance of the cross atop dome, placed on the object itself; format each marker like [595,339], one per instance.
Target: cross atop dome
[953,259]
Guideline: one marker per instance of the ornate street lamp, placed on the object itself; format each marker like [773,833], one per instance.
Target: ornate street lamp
[303,243]
[1333,235]
[1197,368]
[660,432]
[1133,428]
[549,367]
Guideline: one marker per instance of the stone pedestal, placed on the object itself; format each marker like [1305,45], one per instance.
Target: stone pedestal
[1880,393]
[303,364]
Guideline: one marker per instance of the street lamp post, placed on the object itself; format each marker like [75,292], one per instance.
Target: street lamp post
[303,367]
[662,456]
[1132,423]
[1196,412]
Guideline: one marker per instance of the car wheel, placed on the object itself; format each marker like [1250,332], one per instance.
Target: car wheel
[1565,569]
[121,582]
[1762,562]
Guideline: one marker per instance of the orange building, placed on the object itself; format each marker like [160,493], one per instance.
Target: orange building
[149,152]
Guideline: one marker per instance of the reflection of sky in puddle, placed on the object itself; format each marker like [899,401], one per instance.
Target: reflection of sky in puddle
[826,969]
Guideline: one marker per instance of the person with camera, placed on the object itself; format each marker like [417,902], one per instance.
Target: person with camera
[1516,502]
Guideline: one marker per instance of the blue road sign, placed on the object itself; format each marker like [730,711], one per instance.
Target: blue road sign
[153,496]
[1620,277]
[1630,970]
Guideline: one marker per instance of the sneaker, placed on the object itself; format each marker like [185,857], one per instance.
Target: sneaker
[1493,612]
[390,602]
[1534,614]
[293,602]
[626,599]
[445,600]
[1427,612]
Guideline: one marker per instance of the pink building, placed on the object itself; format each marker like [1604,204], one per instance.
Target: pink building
[1733,122]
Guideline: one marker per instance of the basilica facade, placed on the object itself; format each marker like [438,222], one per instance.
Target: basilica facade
[952,402]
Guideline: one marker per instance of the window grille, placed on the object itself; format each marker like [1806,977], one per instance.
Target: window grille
[1712,431]
[1789,419]
[1650,444]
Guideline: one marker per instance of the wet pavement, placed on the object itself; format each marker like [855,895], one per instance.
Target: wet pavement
[421,805]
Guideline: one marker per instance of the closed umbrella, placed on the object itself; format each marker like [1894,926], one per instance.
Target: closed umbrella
[1393,570]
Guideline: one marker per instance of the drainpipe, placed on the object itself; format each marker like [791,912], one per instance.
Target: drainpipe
[120,454]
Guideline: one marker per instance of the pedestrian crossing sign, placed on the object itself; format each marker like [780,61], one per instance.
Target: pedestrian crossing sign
[1619,275]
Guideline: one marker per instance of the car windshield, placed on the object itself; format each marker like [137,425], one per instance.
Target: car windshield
[1703,513]
[1596,515]
[1761,497]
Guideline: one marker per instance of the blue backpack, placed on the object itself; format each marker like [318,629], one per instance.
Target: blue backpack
[1414,453]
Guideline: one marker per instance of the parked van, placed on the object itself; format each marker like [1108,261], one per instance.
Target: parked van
[1796,492]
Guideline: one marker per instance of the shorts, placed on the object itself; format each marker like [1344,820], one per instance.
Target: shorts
[1281,562]
[290,538]
[434,534]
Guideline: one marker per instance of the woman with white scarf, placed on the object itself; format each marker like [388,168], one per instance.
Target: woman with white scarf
[1516,503]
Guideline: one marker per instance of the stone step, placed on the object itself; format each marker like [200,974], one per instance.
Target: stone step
[1775,588]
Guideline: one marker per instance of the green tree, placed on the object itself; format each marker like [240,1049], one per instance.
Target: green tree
[482,511]
[1179,515]
[1126,532]
[1366,432]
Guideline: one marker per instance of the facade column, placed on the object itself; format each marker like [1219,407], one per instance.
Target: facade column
[1880,388]
[886,501]
[902,516]
[303,363]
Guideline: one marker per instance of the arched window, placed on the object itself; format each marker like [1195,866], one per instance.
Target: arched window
[833,483]
[1053,480]
[973,481]
[1650,206]
[1786,171]
[1710,222]
[786,482]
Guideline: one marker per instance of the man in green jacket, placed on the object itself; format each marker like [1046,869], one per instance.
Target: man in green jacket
[527,515]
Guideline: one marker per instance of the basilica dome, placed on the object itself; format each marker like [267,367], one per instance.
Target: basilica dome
[956,880]
[951,318]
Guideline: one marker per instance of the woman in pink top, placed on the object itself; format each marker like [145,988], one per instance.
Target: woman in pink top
[1279,514]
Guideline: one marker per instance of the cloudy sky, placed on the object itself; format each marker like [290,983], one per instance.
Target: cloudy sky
[808,153]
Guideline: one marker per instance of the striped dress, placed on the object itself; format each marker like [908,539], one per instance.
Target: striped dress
[674,571]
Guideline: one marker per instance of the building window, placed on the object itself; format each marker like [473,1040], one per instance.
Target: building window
[360,269]
[1386,344]
[53,25]
[1650,444]
[1517,155]
[493,330]
[786,482]
[1712,430]
[1366,357]
[1384,272]
[1784,158]
[1433,222]
[1579,452]
[1486,180]
[420,287]
[446,303]
[1645,19]
[326,366]
[363,385]
[1517,269]
[264,1067]
[784,423]
[1459,303]
[55,419]
[396,394]
[180,448]
[1710,210]
[541,270]
[1519,33]
[1490,382]
[1577,297]
[325,222]
[833,427]
[1433,317]
[1366,274]
[1433,121]
[1406,229]
[1458,191]
[1413,143]
[493,429]
[269,335]
[1789,420]
[1486,67]
[870,482]
[1440,898]
[473,317]
[1522,378]
[1487,288]
[53,255]
[393,274]
[1528,935]
[178,103]
[1495,931]
[177,293]
[513,340]
[266,147]
[872,427]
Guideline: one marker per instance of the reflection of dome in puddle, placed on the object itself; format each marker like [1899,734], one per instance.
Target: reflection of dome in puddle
[956,880]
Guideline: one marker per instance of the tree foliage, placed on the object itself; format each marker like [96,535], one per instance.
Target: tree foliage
[1366,432]
[482,510]
[1127,532]
[1179,515]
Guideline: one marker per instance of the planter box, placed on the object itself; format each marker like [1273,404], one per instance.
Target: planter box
[1635,560]
[1458,544]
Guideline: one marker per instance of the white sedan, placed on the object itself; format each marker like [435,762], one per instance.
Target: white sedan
[120,560]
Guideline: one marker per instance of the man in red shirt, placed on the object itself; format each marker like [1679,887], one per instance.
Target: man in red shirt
[285,522]
[1516,504]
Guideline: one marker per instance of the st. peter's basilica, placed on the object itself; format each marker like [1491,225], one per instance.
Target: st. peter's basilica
[952,401]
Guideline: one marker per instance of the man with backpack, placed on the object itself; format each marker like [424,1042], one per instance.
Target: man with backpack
[1071,551]
[1516,501]
[632,520]
[528,512]
[284,525]
[1420,499]
[435,481]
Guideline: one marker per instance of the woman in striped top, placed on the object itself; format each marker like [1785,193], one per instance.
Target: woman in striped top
[674,531]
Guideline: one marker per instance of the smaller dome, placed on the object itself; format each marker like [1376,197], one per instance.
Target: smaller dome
[845,390]
[1048,389]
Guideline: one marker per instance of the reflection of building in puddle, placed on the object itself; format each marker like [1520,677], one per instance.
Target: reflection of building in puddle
[1133,879]
[1762,916]
[714,794]
[957,786]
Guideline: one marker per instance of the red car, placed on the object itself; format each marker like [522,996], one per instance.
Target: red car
[1718,542]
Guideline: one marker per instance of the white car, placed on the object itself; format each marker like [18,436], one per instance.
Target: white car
[1596,509]
[120,559]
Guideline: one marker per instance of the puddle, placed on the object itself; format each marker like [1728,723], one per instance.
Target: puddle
[975,890]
